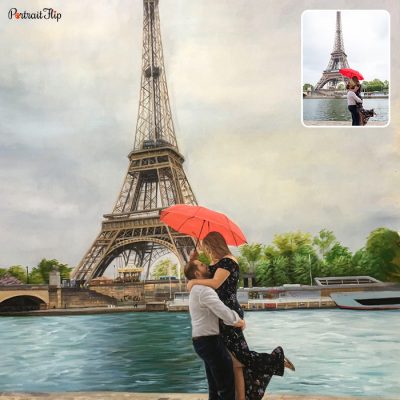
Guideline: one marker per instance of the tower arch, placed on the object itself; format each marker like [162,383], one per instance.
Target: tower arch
[146,251]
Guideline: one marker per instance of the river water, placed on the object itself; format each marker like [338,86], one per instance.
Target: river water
[336,109]
[335,352]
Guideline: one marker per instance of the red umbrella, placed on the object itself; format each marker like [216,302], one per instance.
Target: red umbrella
[349,73]
[198,221]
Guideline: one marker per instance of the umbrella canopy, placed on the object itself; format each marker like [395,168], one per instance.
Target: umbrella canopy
[198,221]
[349,73]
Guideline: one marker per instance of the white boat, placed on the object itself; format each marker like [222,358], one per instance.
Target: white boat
[368,300]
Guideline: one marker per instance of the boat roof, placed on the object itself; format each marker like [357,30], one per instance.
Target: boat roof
[346,280]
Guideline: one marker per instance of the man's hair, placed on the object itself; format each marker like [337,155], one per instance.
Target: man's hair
[190,269]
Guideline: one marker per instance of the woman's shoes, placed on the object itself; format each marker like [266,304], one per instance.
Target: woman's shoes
[288,364]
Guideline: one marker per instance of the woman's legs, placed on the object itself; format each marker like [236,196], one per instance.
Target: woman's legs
[240,388]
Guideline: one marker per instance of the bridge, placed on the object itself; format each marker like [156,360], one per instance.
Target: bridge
[41,297]
[26,297]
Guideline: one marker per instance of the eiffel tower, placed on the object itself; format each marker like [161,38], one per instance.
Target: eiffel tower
[331,75]
[155,178]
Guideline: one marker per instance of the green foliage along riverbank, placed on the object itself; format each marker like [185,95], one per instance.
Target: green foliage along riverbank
[375,85]
[38,274]
[297,257]
[293,257]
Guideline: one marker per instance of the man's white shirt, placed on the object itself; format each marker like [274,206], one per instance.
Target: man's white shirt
[206,309]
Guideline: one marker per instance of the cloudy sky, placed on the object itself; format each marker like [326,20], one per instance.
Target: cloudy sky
[366,38]
[68,107]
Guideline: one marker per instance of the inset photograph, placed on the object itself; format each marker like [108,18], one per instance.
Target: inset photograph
[346,68]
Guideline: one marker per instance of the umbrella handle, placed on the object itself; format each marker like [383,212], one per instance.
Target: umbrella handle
[195,254]
[201,230]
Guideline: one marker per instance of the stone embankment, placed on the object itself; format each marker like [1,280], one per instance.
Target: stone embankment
[158,396]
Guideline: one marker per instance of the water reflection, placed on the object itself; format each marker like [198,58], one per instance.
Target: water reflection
[336,109]
[335,352]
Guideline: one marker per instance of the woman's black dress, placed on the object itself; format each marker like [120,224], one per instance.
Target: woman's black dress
[258,367]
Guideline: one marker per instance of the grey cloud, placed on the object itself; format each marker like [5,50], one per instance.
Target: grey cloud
[68,115]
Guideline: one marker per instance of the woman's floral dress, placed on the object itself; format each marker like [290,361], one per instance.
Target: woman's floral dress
[258,367]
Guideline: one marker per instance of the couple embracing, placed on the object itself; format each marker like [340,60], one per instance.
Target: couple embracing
[233,370]
[359,115]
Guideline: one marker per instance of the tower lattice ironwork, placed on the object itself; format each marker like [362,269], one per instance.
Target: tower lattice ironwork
[155,178]
[338,60]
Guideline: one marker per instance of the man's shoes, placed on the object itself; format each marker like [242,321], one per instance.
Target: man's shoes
[288,364]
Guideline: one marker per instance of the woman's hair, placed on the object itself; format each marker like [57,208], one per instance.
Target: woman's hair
[190,269]
[351,84]
[214,245]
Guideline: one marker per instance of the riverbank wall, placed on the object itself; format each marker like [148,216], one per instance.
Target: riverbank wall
[156,296]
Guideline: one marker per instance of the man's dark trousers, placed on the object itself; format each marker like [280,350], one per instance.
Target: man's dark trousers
[218,363]
[355,116]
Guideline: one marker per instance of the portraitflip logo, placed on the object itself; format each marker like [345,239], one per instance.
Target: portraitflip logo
[46,13]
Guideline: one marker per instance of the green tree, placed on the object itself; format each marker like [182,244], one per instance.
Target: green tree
[338,261]
[283,270]
[380,258]
[269,252]
[250,255]
[289,244]
[337,251]
[374,85]
[324,241]
[164,268]
[386,85]
[288,260]
[272,272]
[40,273]
[19,272]
[364,264]
[341,266]
[3,271]
[308,86]
[243,268]
[306,267]
[383,245]
[263,272]
[266,269]
[301,266]
[36,277]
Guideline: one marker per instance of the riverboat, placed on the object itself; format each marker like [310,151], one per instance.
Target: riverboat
[368,300]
